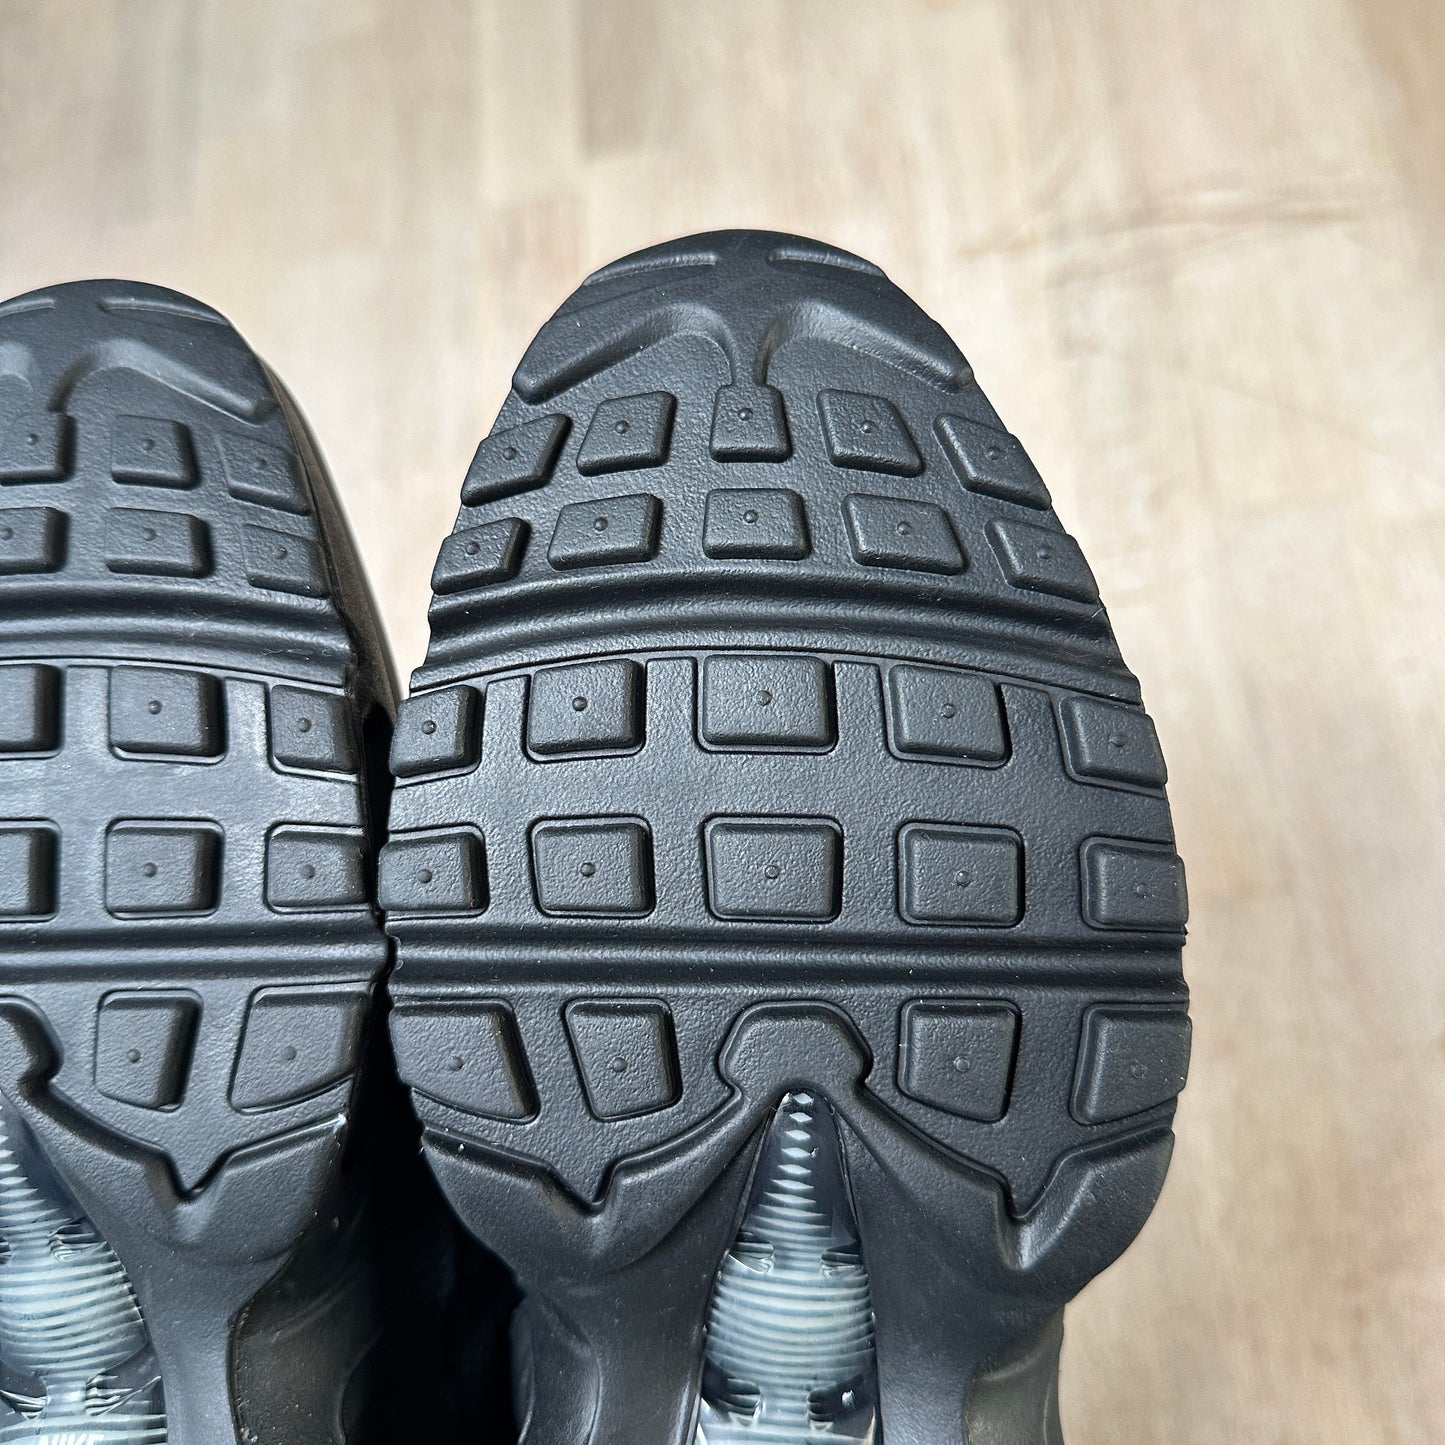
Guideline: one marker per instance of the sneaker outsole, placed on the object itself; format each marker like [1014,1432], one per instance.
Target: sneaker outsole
[189,668]
[772,738]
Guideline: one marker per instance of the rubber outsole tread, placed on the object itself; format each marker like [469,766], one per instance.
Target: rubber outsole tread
[885,500]
[186,674]
[798,756]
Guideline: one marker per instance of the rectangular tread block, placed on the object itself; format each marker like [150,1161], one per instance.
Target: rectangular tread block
[625,1055]
[1117,744]
[910,536]
[312,730]
[606,532]
[749,424]
[951,874]
[143,1044]
[157,544]
[515,459]
[32,539]
[1038,559]
[1133,885]
[1132,1058]
[433,873]
[480,556]
[166,711]
[160,867]
[256,471]
[593,867]
[315,871]
[992,462]
[867,432]
[27,871]
[284,563]
[755,522]
[958,1055]
[465,1053]
[29,708]
[437,732]
[297,1042]
[151,452]
[767,700]
[35,446]
[941,712]
[628,432]
[774,869]
[589,707]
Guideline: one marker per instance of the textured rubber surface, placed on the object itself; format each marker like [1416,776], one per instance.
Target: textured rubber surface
[188,671]
[773,739]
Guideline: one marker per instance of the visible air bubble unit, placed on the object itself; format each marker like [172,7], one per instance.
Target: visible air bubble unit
[76,1365]
[789,1353]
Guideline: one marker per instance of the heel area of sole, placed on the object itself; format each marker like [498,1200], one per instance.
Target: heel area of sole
[184,1257]
[627,1278]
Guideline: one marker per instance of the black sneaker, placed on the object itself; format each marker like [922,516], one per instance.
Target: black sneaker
[193,695]
[788,914]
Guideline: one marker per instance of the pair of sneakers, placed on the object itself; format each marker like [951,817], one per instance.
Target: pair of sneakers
[784,920]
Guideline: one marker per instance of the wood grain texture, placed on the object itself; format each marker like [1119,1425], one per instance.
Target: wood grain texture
[1194,253]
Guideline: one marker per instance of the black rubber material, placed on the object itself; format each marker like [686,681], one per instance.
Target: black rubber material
[193,694]
[772,737]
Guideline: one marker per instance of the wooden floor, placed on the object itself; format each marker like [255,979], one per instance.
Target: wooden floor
[1196,254]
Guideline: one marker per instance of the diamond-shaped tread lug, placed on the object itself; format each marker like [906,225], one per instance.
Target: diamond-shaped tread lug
[589,707]
[29,708]
[35,446]
[911,536]
[592,867]
[32,539]
[166,711]
[866,432]
[766,701]
[951,874]
[958,1055]
[436,732]
[778,869]
[157,544]
[1132,1058]
[315,871]
[1133,885]
[480,556]
[753,522]
[940,712]
[606,532]
[256,471]
[628,432]
[150,451]
[515,459]
[625,1055]
[433,873]
[463,1053]
[992,462]
[283,562]
[143,1042]
[1112,743]
[27,871]
[158,868]
[297,1041]
[749,424]
[312,730]
[1037,559]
